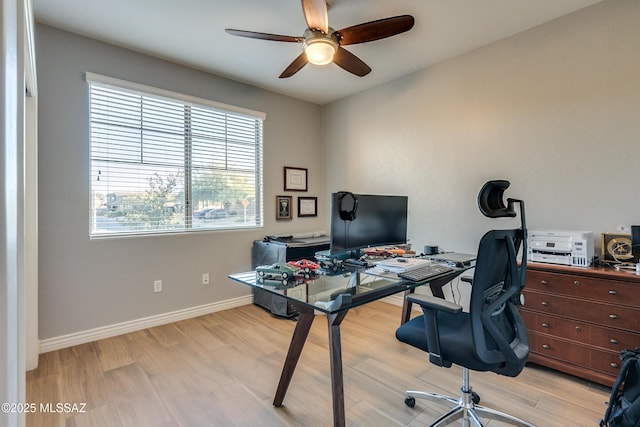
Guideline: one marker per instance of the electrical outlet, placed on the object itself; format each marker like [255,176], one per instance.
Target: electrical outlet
[157,286]
[205,279]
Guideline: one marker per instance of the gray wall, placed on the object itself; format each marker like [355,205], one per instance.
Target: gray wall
[86,284]
[555,110]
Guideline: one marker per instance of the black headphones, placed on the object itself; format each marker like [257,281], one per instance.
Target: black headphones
[347,215]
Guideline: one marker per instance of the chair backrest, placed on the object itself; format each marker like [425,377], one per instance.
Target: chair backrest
[498,330]
[499,333]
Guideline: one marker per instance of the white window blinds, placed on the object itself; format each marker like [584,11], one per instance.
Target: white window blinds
[161,162]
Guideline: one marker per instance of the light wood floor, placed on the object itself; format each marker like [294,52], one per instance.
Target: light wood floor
[222,370]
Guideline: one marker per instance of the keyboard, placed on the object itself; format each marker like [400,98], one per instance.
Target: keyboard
[426,272]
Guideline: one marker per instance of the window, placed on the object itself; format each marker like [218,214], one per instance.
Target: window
[164,162]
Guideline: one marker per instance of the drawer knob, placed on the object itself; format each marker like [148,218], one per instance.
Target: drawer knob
[545,325]
[613,341]
[614,365]
[546,304]
[546,346]
[613,316]
[576,282]
[612,292]
[544,282]
[578,329]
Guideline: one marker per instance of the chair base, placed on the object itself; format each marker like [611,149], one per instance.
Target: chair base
[463,409]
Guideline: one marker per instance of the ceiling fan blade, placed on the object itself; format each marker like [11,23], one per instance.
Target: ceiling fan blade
[295,66]
[351,63]
[375,30]
[315,13]
[264,36]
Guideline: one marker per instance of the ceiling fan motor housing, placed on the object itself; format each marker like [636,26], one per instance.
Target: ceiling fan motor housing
[320,47]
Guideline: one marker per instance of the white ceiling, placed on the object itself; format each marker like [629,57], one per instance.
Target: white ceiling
[192,32]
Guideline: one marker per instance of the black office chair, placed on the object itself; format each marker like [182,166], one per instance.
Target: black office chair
[492,336]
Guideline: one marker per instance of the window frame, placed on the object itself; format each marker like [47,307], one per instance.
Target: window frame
[187,101]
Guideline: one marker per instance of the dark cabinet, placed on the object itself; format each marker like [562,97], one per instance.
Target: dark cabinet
[269,252]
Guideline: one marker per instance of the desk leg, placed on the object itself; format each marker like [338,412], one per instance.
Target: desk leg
[436,289]
[335,354]
[437,285]
[406,307]
[303,326]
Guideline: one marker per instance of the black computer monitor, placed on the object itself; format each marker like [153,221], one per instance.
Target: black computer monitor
[378,220]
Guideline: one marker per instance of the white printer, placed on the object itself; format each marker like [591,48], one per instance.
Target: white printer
[566,247]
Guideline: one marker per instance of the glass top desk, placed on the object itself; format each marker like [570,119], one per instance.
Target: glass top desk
[334,296]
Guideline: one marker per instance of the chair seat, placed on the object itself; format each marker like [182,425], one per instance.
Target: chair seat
[456,340]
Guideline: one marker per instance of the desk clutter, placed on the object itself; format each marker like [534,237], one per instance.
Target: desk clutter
[393,261]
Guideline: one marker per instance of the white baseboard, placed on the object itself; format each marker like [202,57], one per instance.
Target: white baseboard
[64,341]
[83,337]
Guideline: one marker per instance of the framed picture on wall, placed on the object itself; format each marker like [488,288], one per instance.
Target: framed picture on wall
[295,179]
[307,206]
[283,207]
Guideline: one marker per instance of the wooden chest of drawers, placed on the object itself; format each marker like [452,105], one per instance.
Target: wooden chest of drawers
[578,319]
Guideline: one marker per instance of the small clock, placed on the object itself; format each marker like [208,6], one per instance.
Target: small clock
[617,247]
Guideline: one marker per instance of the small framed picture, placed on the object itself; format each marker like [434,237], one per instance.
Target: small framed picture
[295,179]
[283,207]
[307,206]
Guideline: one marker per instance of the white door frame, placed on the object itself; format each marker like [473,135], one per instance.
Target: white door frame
[32,341]
[13,33]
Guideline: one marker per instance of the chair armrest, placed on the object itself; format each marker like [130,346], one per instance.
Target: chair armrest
[430,307]
[432,303]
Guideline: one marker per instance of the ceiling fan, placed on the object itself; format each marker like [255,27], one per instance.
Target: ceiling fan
[322,44]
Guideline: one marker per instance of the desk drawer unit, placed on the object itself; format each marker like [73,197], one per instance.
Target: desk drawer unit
[579,319]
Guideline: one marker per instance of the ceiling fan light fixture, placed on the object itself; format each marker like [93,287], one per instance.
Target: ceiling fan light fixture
[320,50]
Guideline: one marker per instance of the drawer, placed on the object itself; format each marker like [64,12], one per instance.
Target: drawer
[615,316]
[611,291]
[574,353]
[599,336]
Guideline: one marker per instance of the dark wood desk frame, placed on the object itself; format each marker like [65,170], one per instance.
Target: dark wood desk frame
[303,326]
[436,286]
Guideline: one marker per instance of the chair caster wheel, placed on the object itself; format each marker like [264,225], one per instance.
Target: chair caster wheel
[475,397]
[410,401]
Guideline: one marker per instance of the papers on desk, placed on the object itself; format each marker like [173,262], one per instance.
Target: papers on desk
[400,265]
